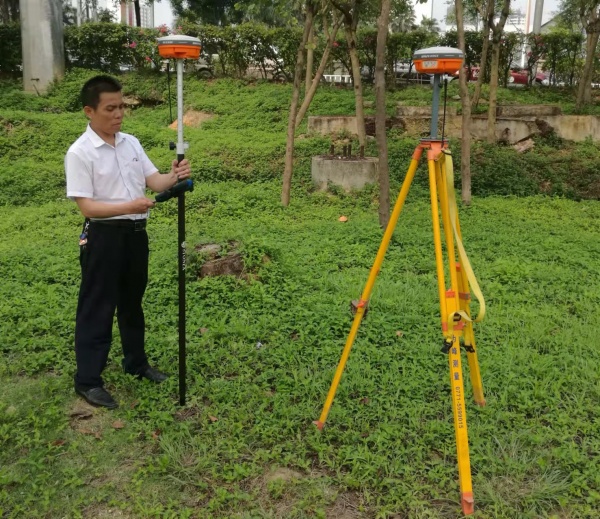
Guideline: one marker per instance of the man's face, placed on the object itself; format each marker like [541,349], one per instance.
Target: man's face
[108,116]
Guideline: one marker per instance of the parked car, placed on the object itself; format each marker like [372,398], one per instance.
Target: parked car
[518,76]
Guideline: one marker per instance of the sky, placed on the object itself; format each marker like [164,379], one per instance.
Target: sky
[163,14]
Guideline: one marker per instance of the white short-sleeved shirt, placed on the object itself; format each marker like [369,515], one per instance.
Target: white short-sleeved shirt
[104,173]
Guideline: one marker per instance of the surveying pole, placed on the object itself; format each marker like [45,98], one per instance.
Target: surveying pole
[456,321]
[179,48]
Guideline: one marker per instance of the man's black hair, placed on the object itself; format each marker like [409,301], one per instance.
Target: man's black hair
[90,93]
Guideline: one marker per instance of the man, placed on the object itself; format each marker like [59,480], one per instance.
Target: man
[107,174]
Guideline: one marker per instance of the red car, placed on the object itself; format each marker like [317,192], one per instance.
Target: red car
[517,77]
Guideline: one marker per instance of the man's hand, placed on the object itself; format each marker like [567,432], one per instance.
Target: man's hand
[181,170]
[141,205]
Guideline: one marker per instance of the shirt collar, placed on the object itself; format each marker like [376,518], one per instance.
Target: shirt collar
[97,141]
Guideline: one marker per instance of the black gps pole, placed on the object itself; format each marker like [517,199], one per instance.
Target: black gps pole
[180,47]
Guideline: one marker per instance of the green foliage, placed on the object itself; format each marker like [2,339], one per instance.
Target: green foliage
[261,356]
[245,140]
[110,47]
[10,49]
[270,50]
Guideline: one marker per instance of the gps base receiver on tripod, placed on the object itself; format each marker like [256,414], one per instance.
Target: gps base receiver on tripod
[456,321]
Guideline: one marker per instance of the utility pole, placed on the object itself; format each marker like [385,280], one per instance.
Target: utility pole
[42,43]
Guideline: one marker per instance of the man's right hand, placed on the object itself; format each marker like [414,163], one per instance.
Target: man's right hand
[141,205]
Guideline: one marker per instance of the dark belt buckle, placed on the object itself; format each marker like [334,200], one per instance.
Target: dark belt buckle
[139,225]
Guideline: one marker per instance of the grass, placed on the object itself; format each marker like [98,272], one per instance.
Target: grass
[262,350]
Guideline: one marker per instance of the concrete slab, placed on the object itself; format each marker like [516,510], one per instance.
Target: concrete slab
[349,174]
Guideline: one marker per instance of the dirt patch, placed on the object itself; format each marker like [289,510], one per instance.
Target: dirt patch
[193,119]
[104,512]
[282,474]
[346,506]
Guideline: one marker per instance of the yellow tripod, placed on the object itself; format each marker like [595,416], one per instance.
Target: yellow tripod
[455,311]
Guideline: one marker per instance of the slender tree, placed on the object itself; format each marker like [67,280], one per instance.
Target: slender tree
[311,90]
[383,23]
[350,12]
[588,12]
[496,29]
[465,101]
[291,131]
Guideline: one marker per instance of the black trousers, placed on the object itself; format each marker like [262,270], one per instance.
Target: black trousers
[114,274]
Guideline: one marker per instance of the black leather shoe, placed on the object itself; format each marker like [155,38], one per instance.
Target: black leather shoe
[98,396]
[152,374]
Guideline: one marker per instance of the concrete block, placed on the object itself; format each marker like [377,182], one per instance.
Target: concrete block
[332,124]
[527,110]
[348,173]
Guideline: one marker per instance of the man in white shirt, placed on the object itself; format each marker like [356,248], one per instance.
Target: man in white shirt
[107,175]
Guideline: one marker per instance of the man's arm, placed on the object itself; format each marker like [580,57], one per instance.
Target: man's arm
[93,209]
[159,182]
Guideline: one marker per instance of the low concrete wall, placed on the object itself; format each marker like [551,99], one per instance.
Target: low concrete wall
[509,129]
[349,174]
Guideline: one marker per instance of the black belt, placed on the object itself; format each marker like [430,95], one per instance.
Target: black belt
[134,225]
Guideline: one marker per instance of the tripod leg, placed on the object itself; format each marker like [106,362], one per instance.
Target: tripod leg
[364,299]
[451,336]
[460,282]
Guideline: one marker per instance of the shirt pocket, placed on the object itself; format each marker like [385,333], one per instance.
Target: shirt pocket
[136,172]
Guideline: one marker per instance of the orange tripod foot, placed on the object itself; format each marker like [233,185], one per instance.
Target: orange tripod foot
[319,424]
[467,502]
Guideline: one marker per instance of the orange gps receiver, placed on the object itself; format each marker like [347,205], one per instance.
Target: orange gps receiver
[438,60]
[179,46]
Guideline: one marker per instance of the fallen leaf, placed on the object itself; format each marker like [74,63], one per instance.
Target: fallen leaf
[81,413]
[133,404]
[202,331]
[118,424]
[213,419]
[364,400]
[58,443]
[89,432]
[155,434]
[399,333]
[343,219]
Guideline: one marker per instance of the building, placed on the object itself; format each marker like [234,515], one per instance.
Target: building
[87,11]
[128,14]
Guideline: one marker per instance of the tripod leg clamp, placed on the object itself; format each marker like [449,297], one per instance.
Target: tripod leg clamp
[447,345]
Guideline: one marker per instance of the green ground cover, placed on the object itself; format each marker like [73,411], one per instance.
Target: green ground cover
[262,350]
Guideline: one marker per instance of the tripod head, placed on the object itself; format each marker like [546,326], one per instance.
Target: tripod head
[437,61]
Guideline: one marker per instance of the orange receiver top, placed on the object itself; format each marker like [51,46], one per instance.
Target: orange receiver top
[179,46]
[438,60]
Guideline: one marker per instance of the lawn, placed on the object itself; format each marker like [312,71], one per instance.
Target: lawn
[263,348]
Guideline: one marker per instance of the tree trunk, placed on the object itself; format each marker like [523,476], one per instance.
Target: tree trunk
[491,120]
[358,93]
[584,90]
[486,15]
[310,57]
[138,14]
[310,92]
[497,29]
[465,148]
[289,148]
[380,114]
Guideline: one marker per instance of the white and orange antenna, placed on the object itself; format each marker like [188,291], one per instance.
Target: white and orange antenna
[437,61]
